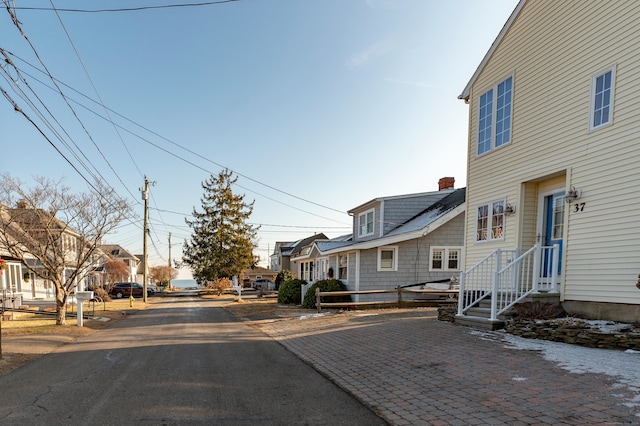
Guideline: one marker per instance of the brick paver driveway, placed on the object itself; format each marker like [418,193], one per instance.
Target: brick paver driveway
[415,370]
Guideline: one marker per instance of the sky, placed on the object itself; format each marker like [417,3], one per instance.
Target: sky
[316,106]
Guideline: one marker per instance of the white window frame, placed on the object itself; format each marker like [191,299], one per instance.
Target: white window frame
[394,260]
[592,107]
[494,117]
[343,267]
[491,234]
[373,223]
[445,250]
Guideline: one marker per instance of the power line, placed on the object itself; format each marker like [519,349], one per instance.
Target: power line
[58,90]
[95,89]
[129,9]
[180,146]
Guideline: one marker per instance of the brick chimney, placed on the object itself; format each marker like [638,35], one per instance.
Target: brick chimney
[446,183]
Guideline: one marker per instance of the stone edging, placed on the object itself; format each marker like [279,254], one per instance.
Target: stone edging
[568,330]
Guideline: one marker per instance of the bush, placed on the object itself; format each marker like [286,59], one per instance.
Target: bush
[219,285]
[101,293]
[291,292]
[325,285]
[537,310]
[282,277]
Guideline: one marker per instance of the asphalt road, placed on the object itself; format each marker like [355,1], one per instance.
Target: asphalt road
[186,361]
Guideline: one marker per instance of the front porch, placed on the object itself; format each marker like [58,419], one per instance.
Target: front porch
[504,278]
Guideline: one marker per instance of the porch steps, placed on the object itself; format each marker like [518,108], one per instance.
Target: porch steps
[479,317]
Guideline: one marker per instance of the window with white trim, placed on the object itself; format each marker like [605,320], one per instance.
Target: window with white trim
[490,221]
[365,223]
[494,117]
[602,99]
[343,265]
[445,258]
[388,258]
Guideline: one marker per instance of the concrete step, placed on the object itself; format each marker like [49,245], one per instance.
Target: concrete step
[479,322]
[482,312]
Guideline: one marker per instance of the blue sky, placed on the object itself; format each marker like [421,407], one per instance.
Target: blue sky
[319,106]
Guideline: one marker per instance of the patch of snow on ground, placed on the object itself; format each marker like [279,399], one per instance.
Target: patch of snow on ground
[312,316]
[623,366]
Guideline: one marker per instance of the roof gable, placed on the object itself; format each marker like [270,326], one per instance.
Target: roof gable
[505,29]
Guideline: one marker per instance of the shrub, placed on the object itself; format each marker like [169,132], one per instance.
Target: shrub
[219,285]
[537,310]
[325,285]
[282,277]
[101,293]
[290,291]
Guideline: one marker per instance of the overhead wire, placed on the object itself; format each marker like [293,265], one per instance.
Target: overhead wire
[178,145]
[57,88]
[101,103]
[95,89]
[116,126]
[132,9]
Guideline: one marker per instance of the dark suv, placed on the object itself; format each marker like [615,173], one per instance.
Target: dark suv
[120,290]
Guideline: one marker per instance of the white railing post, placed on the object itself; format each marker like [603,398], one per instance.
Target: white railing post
[461,294]
[554,265]
[494,297]
[537,267]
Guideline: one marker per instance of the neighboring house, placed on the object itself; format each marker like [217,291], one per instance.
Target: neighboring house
[283,251]
[43,232]
[275,259]
[117,252]
[17,279]
[257,273]
[140,269]
[397,241]
[553,154]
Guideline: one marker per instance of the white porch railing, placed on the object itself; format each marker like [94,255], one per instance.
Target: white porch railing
[507,278]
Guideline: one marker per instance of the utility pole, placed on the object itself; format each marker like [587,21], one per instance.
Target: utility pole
[170,270]
[145,257]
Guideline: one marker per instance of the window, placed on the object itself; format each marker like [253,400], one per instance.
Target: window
[494,117]
[490,221]
[365,223]
[342,267]
[445,259]
[388,259]
[602,99]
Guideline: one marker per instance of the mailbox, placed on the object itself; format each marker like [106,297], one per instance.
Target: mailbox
[84,295]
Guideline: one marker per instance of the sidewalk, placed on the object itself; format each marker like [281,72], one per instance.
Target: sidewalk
[412,369]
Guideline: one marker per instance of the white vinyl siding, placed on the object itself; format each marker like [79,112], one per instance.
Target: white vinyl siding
[554,49]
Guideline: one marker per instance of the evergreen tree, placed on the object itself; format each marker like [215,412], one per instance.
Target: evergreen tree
[222,241]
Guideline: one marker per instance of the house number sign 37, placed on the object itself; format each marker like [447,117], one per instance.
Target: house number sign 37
[578,207]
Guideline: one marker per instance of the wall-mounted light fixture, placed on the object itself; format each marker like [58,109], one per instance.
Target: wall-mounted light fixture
[510,209]
[572,195]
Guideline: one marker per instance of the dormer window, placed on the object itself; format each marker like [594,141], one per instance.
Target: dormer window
[365,223]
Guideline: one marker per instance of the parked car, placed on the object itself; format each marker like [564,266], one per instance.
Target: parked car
[263,284]
[126,289]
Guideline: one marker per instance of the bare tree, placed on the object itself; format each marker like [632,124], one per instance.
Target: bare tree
[55,232]
[116,270]
[163,274]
